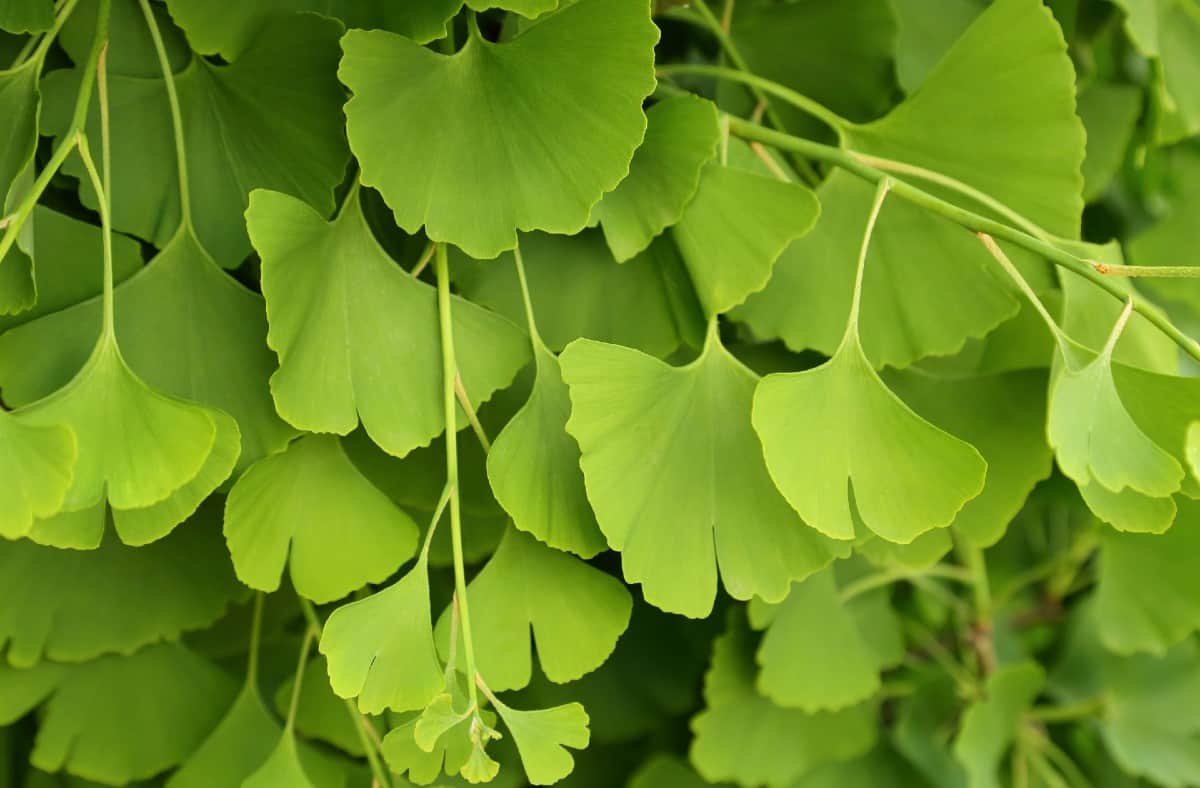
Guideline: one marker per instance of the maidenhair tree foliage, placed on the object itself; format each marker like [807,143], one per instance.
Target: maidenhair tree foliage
[823,408]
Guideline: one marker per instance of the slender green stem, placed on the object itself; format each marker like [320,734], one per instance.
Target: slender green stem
[965,218]
[1060,760]
[310,615]
[108,326]
[881,191]
[888,576]
[762,86]
[361,724]
[255,641]
[39,53]
[69,139]
[438,511]
[981,593]
[1148,271]
[1069,712]
[1118,328]
[164,63]
[941,655]
[464,401]
[24,52]
[519,260]
[449,369]
[423,260]
[305,645]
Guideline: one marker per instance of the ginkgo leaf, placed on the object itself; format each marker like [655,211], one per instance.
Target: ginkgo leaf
[1169,31]
[26,16]
[926,29]
[282,769]
[37,464]
[137,447]
[310,508]
[90,727]
[681,137]
[542,737]
[990,725]
[73,606]
[745,738]
[520,180]
[1094,437]
[814,656]
[449,753]
[533,467]
[575,613]
[834,410]
[1164,408]
[19,103]
[926,274]
[734,230]
[1148,591]
[653,437]
[181,300]
[1004,417]
[381,649]
[1109,112]
[577,290]
[333,299]
[131,50]
[247,125]
[320,714]
[235,748]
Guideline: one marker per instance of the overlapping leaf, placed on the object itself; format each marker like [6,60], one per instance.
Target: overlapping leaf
[574,611]
[989,727]
[485,109]
[1169,32]
[19,103]
[310,508]
[247,125]
[681,137]
[37,464]
[651,435]
[333,297]
[26,16]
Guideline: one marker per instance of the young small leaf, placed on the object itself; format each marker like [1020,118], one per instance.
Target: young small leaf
[542,737]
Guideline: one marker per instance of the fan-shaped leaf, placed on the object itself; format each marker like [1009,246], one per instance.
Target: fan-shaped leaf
[381,650]
[247,125]
[575,613]
[235,748]
[309,507]
[282,769]
[37,464]
[990,725]
[333,299]
[602,55]
[676,477]
[681,137]
[72,606]
[542,737]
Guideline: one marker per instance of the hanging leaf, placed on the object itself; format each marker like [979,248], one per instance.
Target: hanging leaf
[235,748]
[309,507]
[543,736]
[735,229]
[521,181]
[37,464]
[676,478]
[184,327]
[1169,32]
[381,649]
[681,137]
[578,291]
[320,714]
[745,738]
[533,467]
[19,104]
[247,125]
[26,16]
[315,275]
[72,606]
[574,611]
[282,769]
[990,725]
[451,749]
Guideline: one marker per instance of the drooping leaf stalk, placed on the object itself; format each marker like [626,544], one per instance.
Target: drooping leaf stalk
[164,63]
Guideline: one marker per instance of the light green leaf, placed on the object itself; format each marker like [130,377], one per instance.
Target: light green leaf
[37,464]
[19,104]
[681,137]
[381,649]
[185,327]
[73,606]
[437,718]
[282,769]
[1169,241]
[927,29]
[990,725]
[350,327]
[575,611]
[235,748]
[247,125]
[542,737]
[137,447]
[735,229]
[1148,594]
[578,290]
[812,425]
[1164,407]
[26,16]
[533,467]
[814,656]
[320,714]
[91,728]
[926,274]
[452,749]
[1109,111]
[676,477]
[310,507]
[1003,416]
[522,180]
[745,738]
